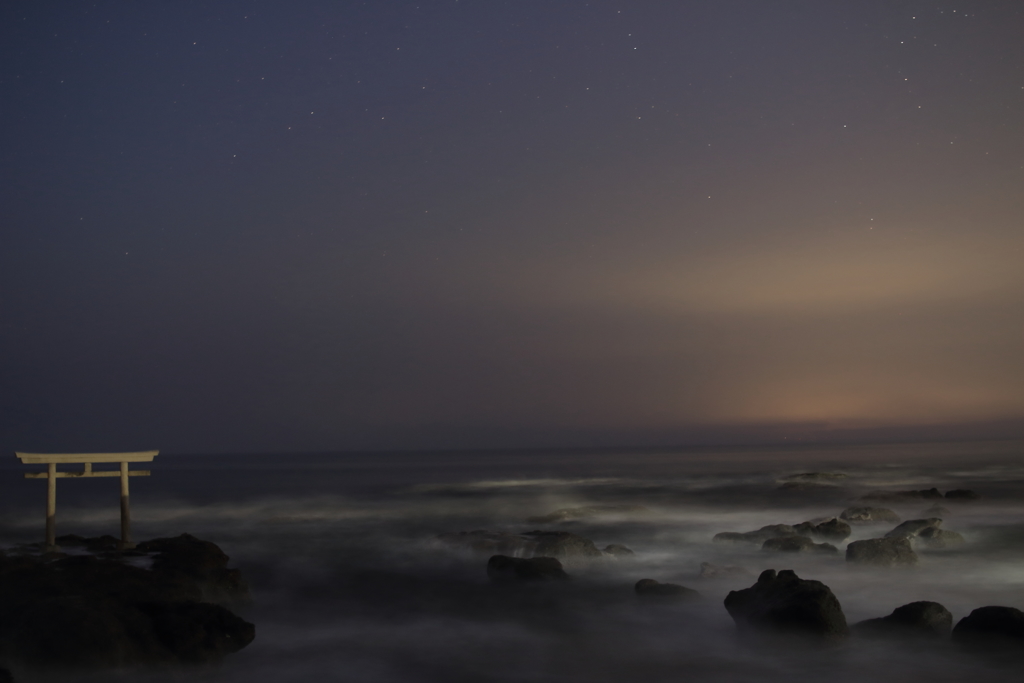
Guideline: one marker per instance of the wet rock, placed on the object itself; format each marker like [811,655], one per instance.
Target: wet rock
[831,528]
[504,568]
[923,494]
[913,527]
[961,495]
[714,571]
[882,552]
[917,619]
[652,588]
[785,603]
[999,628]
[617,550]
[759,536]
[564,514]
[936,538]
[797,544]
[869,515]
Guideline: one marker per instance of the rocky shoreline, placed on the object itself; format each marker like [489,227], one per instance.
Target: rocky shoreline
[91,606]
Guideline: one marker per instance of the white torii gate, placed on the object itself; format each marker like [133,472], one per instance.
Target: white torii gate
[51,460]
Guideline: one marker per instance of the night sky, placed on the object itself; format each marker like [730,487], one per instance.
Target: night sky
[302,226]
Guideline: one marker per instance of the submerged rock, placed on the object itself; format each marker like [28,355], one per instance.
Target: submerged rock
[784,603]
[90,611]
[564,545]
[832,529]
[504,568]
[936,511]
[759,536]
[652,588]
[936,538]
[617,550]
[991,627]
[818,477]
[585,511]
[913,527]
[917,619]
[923,494]
[962,495]
[869,515]
[797,544]
[882,552]
[714,571]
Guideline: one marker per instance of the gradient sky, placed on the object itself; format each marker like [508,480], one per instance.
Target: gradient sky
[262,226]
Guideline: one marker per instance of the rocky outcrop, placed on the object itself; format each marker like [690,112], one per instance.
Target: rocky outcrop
[654,589]
[797,544]
[869,515]
[992,627]
[98,610]
[618,551]
[504,568]
[882,552]
[912,527]
[565,514]
[831,529]
[759,536]
[915,620]
[714,571]
[786,604]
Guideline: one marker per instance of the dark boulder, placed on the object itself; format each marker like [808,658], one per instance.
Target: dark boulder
[869,515]
[797,544]
[617,550]
[188,558]
[786,604]
[831,529]
[881,552]
[655,589]
[504,568]
[962,495]
[918,619]
[991,627]
[198,632]
[563,545]
[912,527]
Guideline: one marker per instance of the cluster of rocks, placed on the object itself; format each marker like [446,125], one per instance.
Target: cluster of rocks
[781,603]
[100,608]
[786,538]
[563,545]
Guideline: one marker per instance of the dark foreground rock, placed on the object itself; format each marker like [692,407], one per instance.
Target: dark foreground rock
[656,589]
[504,568]
[882,552]
[99,610]
[869,515]
[915,620]
[998,628]
[5,676]
[797,544]
[783,603]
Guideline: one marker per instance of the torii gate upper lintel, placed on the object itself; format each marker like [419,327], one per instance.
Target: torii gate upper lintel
[51,460]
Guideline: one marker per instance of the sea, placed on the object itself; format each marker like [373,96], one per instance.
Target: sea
[350,583]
